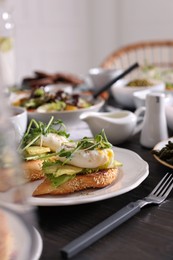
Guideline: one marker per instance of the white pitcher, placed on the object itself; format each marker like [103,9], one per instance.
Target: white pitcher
[119,125]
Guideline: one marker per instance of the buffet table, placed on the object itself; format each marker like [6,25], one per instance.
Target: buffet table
[148,235]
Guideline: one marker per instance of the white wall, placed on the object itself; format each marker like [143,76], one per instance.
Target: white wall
[52,35]
[145,20]
[74,35]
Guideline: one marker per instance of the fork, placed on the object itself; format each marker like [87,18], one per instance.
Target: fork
[157,196]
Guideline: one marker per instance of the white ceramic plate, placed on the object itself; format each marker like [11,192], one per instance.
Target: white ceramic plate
[131,174]
[158,147]
[27,239]
[38,246]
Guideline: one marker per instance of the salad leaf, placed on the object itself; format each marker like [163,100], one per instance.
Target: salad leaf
[53,106]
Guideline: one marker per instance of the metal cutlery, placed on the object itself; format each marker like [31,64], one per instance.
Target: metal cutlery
[157,196]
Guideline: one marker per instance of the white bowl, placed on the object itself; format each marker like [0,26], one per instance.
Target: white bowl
[123,94]
[69,118]
[98,77]
[140,97]
[19,122]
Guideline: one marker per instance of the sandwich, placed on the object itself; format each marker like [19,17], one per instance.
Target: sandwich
[39,144]
[79,165]
[64,165]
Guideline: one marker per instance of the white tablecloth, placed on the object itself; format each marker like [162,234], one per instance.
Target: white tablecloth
[79,131]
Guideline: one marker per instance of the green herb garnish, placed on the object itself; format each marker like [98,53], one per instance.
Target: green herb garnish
[98,142]
[166,153]
[36,129]
[40,156]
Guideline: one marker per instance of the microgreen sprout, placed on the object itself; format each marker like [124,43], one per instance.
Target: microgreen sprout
[36,129]
[98,142]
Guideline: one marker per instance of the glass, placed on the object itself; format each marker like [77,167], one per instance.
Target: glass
[12,177]
[13,189]
[7,53]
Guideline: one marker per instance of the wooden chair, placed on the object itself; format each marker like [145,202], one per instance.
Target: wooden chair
[159,53]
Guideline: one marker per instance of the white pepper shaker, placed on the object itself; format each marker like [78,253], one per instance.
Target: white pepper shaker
[155,125]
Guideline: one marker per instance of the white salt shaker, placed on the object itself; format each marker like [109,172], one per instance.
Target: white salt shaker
[154,125]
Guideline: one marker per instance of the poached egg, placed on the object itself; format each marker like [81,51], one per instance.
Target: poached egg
[91,158]
[80,158]
[53,141]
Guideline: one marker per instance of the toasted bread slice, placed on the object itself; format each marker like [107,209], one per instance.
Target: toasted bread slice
[81,182]
[33,170]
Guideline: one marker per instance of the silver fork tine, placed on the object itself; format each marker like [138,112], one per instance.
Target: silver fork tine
[169,189]
[164,186]
[159,185]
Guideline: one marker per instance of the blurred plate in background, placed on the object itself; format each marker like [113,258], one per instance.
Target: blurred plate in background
[26,240]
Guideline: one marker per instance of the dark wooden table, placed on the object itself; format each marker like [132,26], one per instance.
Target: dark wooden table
[148,235]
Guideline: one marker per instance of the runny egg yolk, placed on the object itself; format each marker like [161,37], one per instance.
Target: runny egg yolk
[91,158]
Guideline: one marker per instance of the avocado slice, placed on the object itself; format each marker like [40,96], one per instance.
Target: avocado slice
[33,150]
[58,170]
